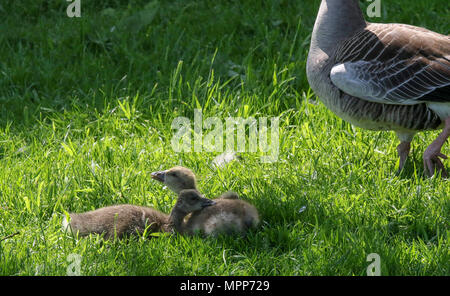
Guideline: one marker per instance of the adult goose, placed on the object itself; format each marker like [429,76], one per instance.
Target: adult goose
[382,76]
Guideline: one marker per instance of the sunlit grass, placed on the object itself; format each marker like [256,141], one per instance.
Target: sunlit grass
[86,107]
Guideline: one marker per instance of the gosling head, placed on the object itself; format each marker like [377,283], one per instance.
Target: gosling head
[190,200]
[176,178]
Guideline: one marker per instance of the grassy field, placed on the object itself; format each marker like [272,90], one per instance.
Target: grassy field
[86,107]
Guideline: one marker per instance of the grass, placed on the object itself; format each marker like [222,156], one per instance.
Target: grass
[86,106]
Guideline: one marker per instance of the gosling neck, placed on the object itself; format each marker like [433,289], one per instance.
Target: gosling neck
[176,219]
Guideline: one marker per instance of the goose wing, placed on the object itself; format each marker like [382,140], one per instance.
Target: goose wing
[394,64]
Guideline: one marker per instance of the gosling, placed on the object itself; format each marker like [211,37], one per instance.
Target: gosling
[125,220]
[117,221]
[228,214]
[179,178]
[189,200]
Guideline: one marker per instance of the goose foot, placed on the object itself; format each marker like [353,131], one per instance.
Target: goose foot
[432,154]
[432,162]
[403,151]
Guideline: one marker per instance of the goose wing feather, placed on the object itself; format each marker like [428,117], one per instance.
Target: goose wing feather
[394,64]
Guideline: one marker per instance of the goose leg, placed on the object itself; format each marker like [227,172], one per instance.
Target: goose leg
[403,151]
[432,154]
[404,147]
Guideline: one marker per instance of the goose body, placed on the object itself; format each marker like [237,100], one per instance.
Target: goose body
[382,76]
[228,214]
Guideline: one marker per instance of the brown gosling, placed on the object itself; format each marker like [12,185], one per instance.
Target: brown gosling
[125,220]
[117,221]
[189,200]
[179,178]
[227,215]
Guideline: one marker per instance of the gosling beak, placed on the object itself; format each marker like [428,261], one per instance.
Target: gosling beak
[207,202]
[159,176]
